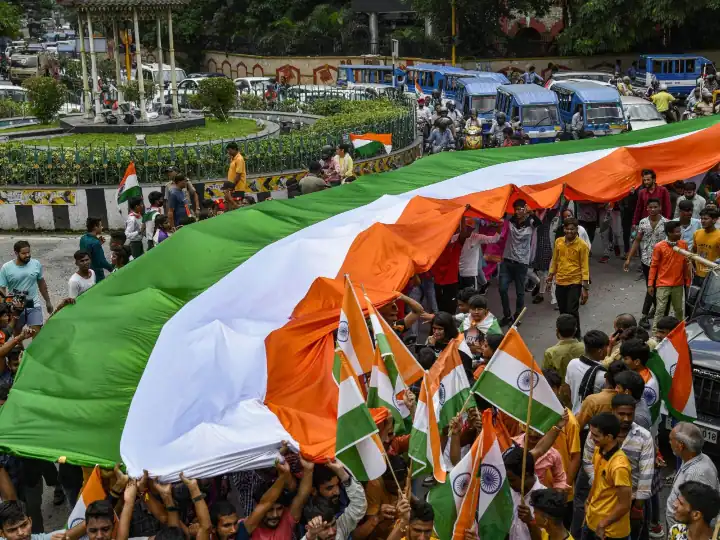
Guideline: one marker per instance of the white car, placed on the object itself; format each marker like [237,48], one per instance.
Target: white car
[186,88]
[641,113]
[253,85]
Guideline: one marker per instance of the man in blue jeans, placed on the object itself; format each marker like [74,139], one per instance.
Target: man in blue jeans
[516,258]
[25,275]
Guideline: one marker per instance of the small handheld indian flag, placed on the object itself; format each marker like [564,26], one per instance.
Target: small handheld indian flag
[369,144]
[425,450]
[670,363]
[476,494]
[449,386]
[91,492]
[353,335]
[506,383]
[418,89]
[129,186]
[357,444]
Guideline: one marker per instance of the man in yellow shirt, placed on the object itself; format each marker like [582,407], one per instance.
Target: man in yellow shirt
[662,101]
[570,268]
[236,172]
[607,512]
[706,243]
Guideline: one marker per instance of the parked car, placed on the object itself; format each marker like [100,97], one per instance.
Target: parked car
[641,113]
[186,88]
[206,75]
[253,85]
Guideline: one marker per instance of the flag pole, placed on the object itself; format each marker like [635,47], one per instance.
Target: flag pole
[408,481]
[716,531]
[527,430]
[387,460]
[517,321]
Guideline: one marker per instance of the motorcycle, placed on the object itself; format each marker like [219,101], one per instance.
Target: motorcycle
[473,138]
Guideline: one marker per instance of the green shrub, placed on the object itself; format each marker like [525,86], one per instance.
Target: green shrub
[287,105]
[10,108]
[131,91]
[46,96]
[217,94]
[251,102]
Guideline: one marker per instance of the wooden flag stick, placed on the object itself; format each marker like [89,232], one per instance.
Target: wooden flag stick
[716,532]
[408,481]
[387,460]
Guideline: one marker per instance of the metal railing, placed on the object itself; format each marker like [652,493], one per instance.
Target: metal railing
[95,165]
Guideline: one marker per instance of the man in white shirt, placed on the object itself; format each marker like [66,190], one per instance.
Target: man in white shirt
[690,194]
[84,278]
[469,268]
[585,375]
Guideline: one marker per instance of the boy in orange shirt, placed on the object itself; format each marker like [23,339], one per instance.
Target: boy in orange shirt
[669,273]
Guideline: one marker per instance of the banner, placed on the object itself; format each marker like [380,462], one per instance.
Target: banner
[38,197]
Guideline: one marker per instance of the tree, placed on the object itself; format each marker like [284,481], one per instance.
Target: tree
[46,97]
[217,94]
[601,26]
[9,19]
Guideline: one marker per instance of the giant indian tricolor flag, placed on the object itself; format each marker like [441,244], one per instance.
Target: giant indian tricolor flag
[205,353]
[671,365]
[508,378]
[129,186]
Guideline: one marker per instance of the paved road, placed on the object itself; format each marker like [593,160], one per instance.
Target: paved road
[613,291]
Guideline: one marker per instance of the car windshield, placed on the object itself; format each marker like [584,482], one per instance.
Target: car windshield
[24,61]
[540,115]
[642,112]
[179,75]
[13,94]
[604,113]
[709,302]
[483,104]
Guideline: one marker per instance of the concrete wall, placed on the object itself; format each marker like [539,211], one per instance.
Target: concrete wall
[323,69]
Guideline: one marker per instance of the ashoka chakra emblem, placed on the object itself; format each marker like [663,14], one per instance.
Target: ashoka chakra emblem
[526,378]
[672,369]
[441,394]
[460,484]
[343,331]
[650,396]
[490,479]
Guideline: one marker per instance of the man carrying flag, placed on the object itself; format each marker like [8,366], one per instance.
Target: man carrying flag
[512,379]
[357,444]
[671,366]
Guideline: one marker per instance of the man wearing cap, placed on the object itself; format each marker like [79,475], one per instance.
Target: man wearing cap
[190,192]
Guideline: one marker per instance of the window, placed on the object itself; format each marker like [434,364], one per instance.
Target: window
[657,66]
[483,104]
[342,74]
[539,115]
[679,66]
[690,66]
[604,113]
[441,84]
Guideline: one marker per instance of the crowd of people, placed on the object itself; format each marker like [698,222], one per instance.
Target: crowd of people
[597,473]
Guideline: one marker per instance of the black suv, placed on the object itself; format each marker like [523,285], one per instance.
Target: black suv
[703,331]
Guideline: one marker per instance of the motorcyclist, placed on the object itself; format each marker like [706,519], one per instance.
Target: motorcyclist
[453,113]
[663,101]
[530,77]
[625,87]
[441,137]
[473,121]
[693,98]
[711,83]
[704,107]
[436,100]
[423,111]
[652,88]
[496,130]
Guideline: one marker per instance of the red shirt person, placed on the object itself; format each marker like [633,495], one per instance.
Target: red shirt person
[651,191]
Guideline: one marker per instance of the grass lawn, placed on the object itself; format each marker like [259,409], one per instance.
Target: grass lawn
[15,129]
[213,130]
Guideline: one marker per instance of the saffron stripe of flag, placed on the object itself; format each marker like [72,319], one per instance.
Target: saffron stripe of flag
[129,186]
[357,445]
[353,334]
[92,491]
[506,381]
[425,450]
[671,365]
[409,368]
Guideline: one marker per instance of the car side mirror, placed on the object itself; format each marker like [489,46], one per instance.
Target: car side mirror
[693,294]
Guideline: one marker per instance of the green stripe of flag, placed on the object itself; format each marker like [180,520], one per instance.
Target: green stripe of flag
[509,399]
[452,407]
[356,424]
[495,521]
[418,453]
[657,366]
[52,412]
